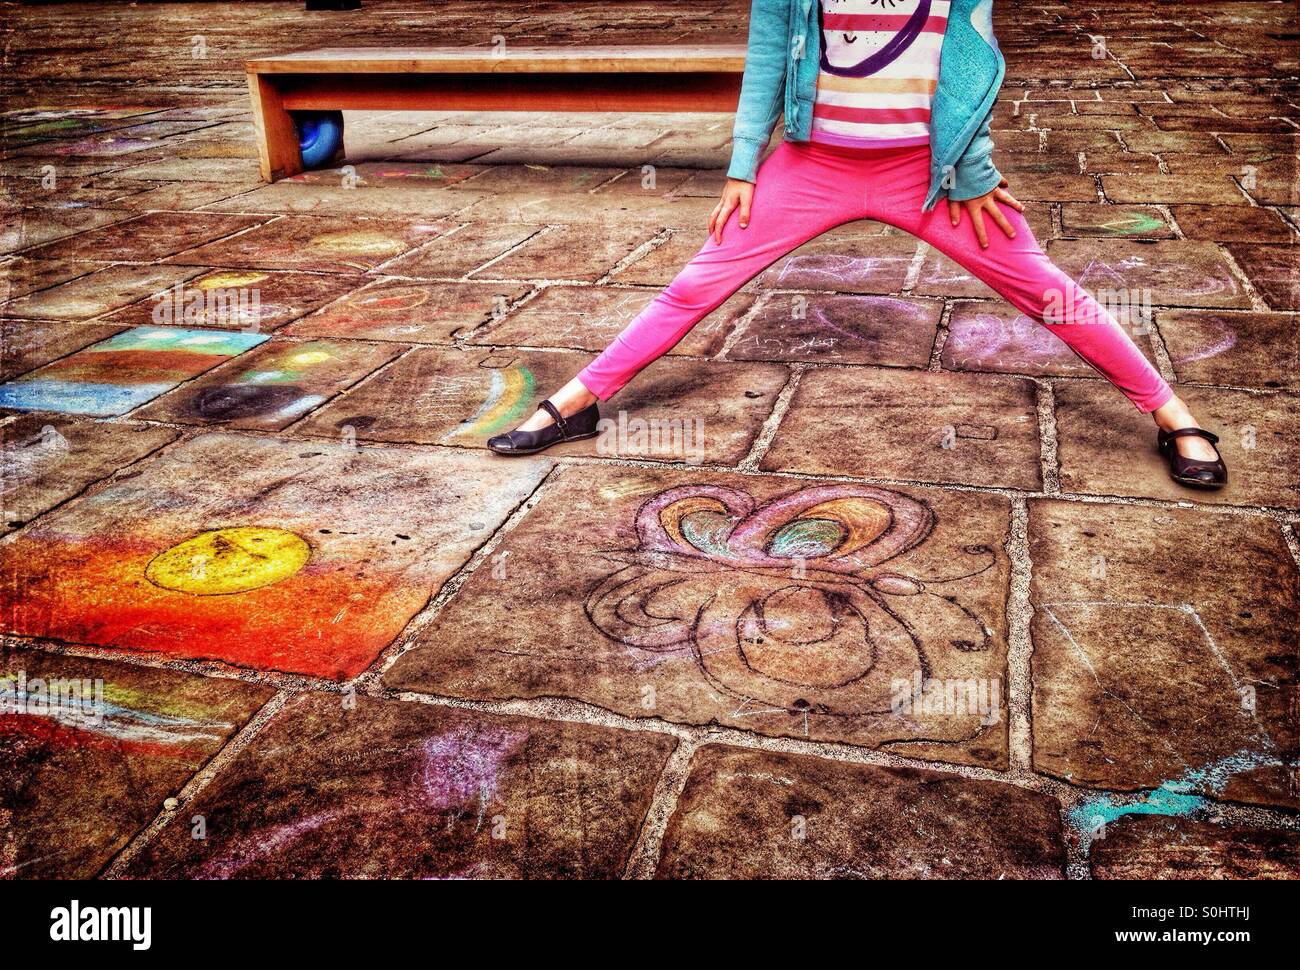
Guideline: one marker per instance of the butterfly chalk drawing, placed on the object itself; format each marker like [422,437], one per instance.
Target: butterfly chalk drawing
[786,604]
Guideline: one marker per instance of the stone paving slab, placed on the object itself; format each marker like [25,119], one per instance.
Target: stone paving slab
[660,265]
[1055,187]
[941,276]
[172,560]
[407,175]
[569,252]
[1233,224]
[150,237]
[1272,271]
[579,209]
[684,149]
[695,411]
[419,313]
[1145,221]
[1176,272]
[239,171]
[682,596]
[869,263]
[129,369]
[177,195]
[590,317]
[748,814]
[368,201]
[321,244]
[658,180]
[1149,847]
[1162,654]
[258,301]
[47,460]
[272,386]
[847,329]
[32,227]
[1171,189]
[546,180]
[911,426]
[1105,447]
[20,276]
[410,791]
[1099,163]
[459,253]
[28,344]
[97,293]
[86,770]
[67,168]
[999,338]
[87,192]
[1243,349]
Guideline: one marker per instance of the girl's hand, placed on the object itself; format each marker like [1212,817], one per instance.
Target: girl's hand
[986,203]
[736,194]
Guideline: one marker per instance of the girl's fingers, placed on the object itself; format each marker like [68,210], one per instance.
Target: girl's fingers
[1001,220]
[744,212]
[981,232]
[1010,200]
[722,219]
[954,213]
[713,217]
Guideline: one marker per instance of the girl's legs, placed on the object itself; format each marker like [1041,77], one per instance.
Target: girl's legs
[797,196]
[1019,270]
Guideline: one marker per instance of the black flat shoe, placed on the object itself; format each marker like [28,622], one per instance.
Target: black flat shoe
[575,427]
[1192,472]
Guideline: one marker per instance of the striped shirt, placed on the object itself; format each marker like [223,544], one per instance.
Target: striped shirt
[879,70]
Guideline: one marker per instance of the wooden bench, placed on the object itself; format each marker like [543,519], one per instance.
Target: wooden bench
[631,78]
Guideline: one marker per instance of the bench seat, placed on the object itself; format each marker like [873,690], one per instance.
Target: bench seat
[621,78]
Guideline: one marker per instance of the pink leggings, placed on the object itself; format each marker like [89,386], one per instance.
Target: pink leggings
[804,189]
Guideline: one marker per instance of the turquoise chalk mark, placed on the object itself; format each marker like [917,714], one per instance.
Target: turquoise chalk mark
[225,343]
[1166,800]
[807,539]
[1176,797]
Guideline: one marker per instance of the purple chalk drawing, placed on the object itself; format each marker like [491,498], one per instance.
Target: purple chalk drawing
[987,337]
[462,766]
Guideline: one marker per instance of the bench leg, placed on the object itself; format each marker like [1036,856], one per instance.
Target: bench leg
[277,137]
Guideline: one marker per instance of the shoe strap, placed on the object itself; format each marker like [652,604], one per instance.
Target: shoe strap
[554,412]
[1209,436]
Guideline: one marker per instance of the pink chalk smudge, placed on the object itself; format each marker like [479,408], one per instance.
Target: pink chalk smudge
[463,766]
[250,848]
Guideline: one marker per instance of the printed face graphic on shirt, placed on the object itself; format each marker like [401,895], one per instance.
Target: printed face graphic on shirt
[857,44]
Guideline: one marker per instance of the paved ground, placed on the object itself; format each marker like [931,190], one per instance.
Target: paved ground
[904,591]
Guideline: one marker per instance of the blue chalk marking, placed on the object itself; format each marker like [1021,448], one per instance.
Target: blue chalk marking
[78,397]
[225,343]
[1176,797]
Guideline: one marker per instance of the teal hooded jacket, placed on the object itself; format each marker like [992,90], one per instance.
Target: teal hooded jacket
[781,67]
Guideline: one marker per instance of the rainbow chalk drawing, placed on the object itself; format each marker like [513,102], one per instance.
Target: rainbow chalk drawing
[508,398]
[121,373]
[783,606]
[110,716]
